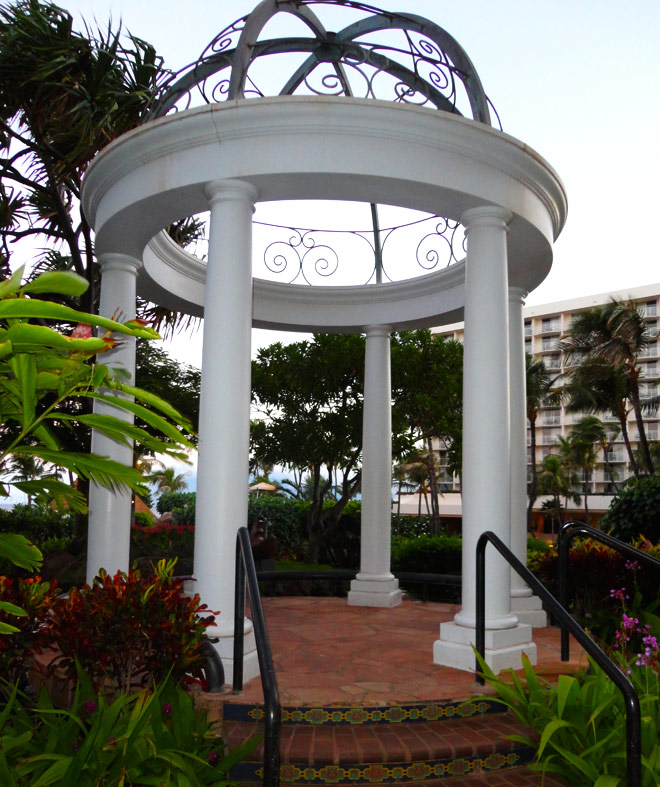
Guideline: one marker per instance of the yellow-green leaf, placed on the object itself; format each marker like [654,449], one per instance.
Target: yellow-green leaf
[60,282]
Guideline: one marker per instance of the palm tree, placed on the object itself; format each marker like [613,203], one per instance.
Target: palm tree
[557,478]
[597,388]
[168,480]
[588,434]
[540,392]
[610,339]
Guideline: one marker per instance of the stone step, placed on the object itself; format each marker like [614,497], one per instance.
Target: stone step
[396,752]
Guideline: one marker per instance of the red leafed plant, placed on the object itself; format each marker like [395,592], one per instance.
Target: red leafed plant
[33,599]
[130,629]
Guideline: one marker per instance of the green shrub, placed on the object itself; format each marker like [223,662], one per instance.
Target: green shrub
[282,515]
[181,504]
[142,519]
[635,510]
[411,526]
[427,554]
[38,523]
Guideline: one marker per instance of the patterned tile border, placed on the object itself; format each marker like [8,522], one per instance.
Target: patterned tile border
[392,714]
[383,773]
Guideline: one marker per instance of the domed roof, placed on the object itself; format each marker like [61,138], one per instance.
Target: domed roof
[398,57]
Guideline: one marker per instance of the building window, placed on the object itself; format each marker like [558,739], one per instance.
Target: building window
[550,325]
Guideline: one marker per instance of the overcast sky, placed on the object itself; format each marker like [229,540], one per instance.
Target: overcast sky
[577,80]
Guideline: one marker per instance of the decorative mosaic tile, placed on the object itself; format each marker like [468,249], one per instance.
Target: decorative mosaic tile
[383,773]
[367,715]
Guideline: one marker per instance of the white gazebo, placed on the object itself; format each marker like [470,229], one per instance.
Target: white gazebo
[416,150]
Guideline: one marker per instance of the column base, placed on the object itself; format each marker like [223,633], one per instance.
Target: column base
[504,647]
[225,648]
[375,593]
[529,609]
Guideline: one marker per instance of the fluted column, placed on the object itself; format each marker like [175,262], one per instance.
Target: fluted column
[486,492]
[524,604]
[109,531]
[375,586]
[224,416]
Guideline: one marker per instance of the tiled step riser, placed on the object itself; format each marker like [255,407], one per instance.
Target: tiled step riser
[425,772]
[358,715]
[422,743]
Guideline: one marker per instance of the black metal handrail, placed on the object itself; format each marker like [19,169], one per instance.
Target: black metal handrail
[565,619]
[213,670]
[566,536]
[273,712]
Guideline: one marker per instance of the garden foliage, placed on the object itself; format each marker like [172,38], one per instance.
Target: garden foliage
[635,510]
[144,738]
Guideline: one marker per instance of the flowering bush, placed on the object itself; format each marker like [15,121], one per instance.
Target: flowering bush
[129,629]
[162,541]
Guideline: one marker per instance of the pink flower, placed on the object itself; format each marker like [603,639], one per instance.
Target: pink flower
[82,331]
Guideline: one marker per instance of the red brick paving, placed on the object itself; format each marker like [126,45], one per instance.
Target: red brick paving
[327,653]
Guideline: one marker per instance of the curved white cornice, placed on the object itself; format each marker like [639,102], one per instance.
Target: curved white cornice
[317,147]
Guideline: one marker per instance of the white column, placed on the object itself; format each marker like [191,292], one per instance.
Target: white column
[109,532]
[524,604]
[375,586]
[486,450]
[224,416]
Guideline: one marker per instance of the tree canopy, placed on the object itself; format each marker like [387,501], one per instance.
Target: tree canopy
[310,396]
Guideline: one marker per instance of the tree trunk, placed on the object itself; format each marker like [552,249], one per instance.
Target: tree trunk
[586,495]
[643,442]
[623,423]
[433,484]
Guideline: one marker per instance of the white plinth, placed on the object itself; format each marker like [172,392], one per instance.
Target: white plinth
[504,647]
[225,649]
[374,593]
[529,609]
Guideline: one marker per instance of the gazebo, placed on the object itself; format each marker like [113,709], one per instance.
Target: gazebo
[214,142]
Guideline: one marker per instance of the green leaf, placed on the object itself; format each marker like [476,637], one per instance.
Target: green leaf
[58,282]
[12,609]
[25,309]
[566,686]
[11,286]
[20,551]
[26,337]
[607,781]
[105,472]
[63,494]
[24,368]
[6,348]
[548,732]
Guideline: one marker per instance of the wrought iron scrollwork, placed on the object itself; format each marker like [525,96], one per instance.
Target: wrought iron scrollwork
[397,57]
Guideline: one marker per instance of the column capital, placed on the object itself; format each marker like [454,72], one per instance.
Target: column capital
[231,190]
[518,295]
[116,261]
[377,330]
[486,216]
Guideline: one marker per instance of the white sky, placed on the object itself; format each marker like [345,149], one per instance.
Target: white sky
[577,80]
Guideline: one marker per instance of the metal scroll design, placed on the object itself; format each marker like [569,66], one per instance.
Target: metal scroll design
[396,57]
[311,256]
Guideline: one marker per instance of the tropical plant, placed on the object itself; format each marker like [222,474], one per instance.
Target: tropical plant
[65,96]
[24,608]
[151,737]
[557,478]
[540,392]
[580,722]
[583,442]
[129,629]
[610,340]
[41,369]
[167,479]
